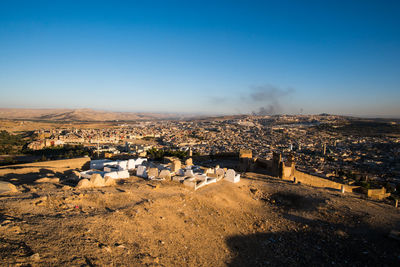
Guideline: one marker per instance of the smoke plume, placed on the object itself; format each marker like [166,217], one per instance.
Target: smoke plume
[269,97]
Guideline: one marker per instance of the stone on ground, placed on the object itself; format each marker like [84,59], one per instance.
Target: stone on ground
[6,187]
[109,181]
[97,180]
[48,180]
[84,183]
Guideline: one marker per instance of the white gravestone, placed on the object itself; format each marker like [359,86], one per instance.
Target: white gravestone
[141,171]
[231,176]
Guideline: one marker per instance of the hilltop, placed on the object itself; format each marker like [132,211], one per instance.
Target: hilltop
[259,221]
[80,115]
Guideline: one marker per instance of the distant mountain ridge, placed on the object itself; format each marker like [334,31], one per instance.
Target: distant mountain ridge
[80,115]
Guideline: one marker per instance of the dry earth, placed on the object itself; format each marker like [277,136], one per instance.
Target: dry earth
[23,126]
[259,221]
[84,114]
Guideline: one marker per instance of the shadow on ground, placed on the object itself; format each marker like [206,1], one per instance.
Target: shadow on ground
[311,248]
[31,177]
[293,201]
[314,242]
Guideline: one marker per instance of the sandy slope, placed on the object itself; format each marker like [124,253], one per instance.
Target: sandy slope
[80,115]
[259,221]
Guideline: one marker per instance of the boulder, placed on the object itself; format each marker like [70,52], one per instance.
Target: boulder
[84,183]
[6,188]
[109,181]
[48,180]
[96,180]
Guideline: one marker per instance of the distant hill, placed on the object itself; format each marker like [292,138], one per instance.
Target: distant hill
[81,115]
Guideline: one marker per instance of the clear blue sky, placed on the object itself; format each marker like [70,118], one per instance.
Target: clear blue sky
[340,57]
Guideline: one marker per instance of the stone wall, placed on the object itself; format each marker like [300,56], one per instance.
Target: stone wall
[377,194]
[287,172]
[316,181]
[245,153]
[264,164]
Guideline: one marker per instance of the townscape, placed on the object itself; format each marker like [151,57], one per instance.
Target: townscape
[199,133]
[125,203]
[334,147]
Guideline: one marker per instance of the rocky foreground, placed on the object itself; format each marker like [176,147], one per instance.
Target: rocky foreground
[259,221]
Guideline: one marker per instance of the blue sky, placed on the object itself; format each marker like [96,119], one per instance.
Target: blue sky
[213,57]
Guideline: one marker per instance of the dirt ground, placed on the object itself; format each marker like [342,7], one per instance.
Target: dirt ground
[23,126]
[257,222]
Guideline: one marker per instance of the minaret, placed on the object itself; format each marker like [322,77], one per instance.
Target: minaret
[98,151]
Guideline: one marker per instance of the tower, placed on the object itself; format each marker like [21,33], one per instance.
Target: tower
[98,149]
[276,163]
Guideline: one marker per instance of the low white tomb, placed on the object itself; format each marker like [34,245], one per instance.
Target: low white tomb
[98,164]
[131,164]
[141,171]
[140,161]
[231,176]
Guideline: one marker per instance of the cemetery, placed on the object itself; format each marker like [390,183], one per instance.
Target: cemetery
[190,175]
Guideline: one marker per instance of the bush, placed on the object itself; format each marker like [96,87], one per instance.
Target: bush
[10,144]
[158,154]
[60,152]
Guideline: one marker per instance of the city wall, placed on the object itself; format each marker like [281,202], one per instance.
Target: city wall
[267,164]
[223,155]
[316,181]
[377,194]
[287,171]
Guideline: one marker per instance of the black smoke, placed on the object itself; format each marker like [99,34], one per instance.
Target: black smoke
[269,97]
